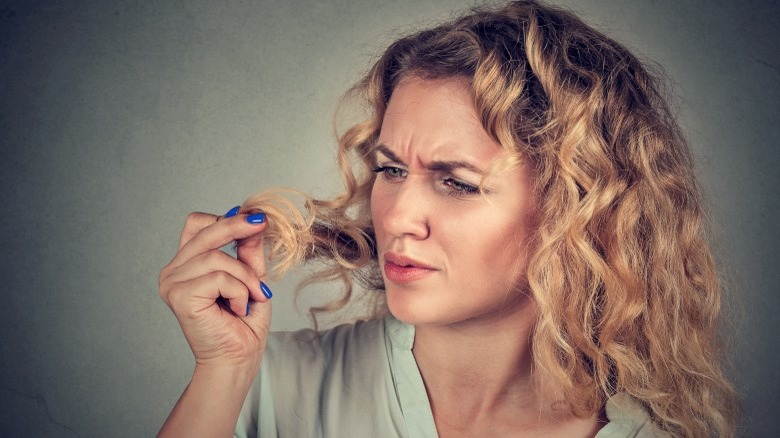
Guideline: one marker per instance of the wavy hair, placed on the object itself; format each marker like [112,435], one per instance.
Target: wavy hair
[627,292]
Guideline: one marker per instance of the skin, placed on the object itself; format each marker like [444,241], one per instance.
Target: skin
[426,205]
[465,254]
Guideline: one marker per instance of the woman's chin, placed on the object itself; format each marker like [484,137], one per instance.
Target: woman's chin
[416,311]
[408,310]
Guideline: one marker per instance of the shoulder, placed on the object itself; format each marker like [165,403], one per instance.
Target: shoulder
[321,383]
[337,344]
[326,361]
[628,419]
[304,371]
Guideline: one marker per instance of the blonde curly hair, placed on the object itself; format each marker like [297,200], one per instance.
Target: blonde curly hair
[627,291]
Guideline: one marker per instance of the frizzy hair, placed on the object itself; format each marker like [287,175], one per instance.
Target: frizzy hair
[624,280]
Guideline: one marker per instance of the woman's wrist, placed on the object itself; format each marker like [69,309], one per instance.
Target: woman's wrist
[235,374]
[211,403]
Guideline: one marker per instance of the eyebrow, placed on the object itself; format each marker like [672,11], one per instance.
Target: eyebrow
[437,166]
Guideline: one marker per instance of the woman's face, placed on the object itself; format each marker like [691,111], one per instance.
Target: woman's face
[448,253]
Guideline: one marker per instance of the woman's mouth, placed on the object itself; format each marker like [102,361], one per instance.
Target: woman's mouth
[400,269]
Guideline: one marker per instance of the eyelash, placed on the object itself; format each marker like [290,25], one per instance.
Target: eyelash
[385,169]
[455,186]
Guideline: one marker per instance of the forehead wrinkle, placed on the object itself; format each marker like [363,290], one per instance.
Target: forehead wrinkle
[430,121]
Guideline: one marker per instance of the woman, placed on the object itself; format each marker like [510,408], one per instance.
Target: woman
[527,206]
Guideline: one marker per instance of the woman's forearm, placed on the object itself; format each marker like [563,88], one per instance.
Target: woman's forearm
[211,403]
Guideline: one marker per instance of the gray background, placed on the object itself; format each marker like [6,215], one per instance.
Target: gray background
[118,118]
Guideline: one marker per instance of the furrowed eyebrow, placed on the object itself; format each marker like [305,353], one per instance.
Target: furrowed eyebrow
[382,149]
[437,166]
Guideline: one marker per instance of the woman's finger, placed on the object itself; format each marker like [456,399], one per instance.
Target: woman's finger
[218,234]
[195,222]
[250,250]
[216,260]
[188,299]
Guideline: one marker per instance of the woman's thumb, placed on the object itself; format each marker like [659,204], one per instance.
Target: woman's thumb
[250,250]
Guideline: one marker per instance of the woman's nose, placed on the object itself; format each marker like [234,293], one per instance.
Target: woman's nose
[406,210]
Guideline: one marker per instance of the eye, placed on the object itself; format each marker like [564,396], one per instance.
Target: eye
[390,173]
[460,188]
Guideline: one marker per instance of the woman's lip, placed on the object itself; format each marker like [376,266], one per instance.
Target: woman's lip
[401,269]
[404,261]
[405,274]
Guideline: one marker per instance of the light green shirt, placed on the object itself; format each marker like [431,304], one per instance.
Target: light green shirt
[362,380]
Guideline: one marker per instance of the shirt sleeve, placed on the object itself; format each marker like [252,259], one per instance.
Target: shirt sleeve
[284,400]
[257,418]
[335,383]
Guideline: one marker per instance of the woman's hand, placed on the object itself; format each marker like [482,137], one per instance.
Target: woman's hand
[218,300]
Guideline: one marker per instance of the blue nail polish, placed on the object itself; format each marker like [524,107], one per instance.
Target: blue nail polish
[233,211]
[266,290]
[257,218]
[247,308]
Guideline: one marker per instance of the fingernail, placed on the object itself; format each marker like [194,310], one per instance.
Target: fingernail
[257,218]
[233,211]
[266,290]
[247,308]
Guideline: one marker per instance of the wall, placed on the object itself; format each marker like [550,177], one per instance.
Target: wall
[118,118]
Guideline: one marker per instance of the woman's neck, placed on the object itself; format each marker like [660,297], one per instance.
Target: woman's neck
[482,362]
[479,379]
